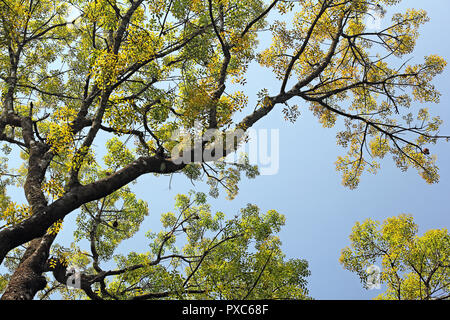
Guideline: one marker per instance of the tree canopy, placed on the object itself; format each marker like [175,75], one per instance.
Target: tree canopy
[238,258]
[413,267]
[75,74]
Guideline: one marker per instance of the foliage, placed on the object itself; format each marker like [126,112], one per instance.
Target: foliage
[197,255]
[413,267]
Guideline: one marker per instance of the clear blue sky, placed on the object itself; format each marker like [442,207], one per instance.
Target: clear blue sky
[320,212]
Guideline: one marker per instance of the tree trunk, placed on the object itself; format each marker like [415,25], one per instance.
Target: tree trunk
[27,280]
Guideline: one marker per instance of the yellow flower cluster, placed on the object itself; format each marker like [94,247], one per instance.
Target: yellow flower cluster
[106,68]
[14,213]
[53,262]
[60,135]
[55,228]
[53,188]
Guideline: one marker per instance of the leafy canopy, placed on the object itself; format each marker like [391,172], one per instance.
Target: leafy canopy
[198,254]
[413,267]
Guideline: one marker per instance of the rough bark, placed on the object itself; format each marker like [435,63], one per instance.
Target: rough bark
[28,278]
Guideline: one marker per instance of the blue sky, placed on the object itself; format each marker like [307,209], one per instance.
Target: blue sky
[320,212]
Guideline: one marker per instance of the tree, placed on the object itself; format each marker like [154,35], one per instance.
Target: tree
[413,267]
[238,258]
[75,73]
